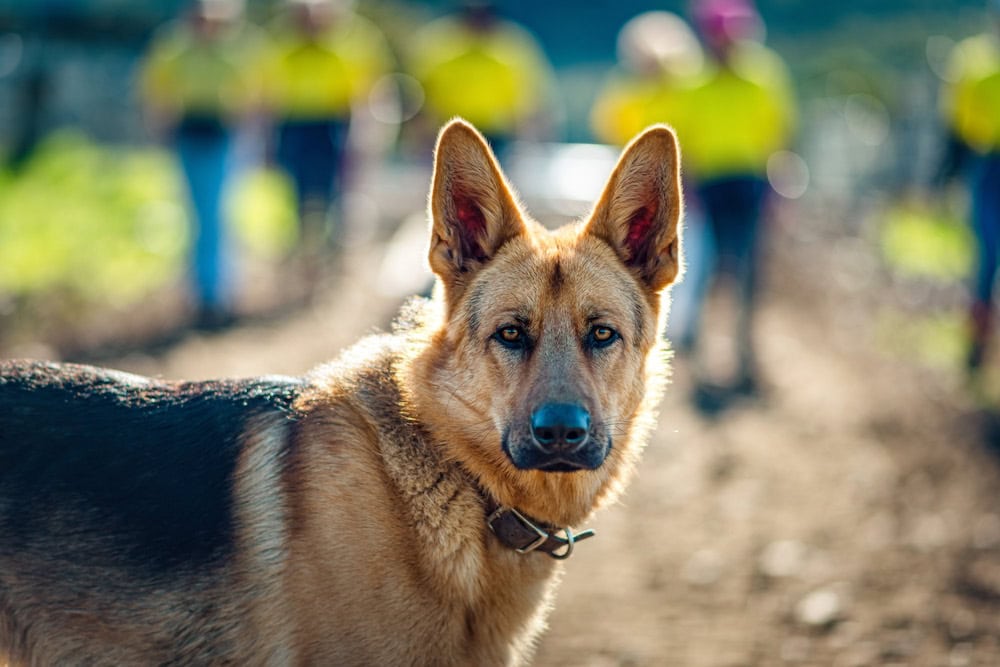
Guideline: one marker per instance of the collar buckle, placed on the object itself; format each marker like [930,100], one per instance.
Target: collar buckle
[522,535]
[540,535]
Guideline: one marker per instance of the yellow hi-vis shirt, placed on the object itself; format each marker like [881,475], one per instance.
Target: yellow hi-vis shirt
[621,109]
[316,79]
[629,104]
[732,121]
[493,79]
[971,96]
[184,74]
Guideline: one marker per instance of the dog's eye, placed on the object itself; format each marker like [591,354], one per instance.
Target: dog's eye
[511,336]
[602,336]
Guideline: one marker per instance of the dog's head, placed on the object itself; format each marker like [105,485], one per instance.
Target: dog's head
[542,374]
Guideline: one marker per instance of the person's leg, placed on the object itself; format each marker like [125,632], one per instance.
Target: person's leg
[688,296]
[709,396]
[338,179]
[305,152]
[290,146]
[715,197]
[752,192]
[203,155]
[734,207]
[985,191]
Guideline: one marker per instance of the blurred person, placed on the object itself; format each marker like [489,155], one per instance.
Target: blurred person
[660,59]
[971,107]
[487,70]
[198,84]
[740,113]
[324,61]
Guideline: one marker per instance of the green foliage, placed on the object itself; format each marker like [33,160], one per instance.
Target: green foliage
[920,242]
[262,208]
[110,225]
[97,223]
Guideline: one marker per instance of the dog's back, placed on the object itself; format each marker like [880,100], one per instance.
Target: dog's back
[112,482]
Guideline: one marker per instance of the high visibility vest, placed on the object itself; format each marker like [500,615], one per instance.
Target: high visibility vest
[493,79]
[188,75]
[971,95]
[737,116]
[321,78]
[623,108]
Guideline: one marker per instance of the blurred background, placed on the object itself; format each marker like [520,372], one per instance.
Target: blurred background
[198,189]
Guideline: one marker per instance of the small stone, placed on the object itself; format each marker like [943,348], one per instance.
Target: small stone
[961,655]
[783,558]
[703,568]
[929,533]
[821,608]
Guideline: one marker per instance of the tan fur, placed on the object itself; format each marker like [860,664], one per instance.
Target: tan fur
[362,535]
[456,595]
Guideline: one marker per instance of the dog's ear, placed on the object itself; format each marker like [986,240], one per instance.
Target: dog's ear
[639,211]
[473,211]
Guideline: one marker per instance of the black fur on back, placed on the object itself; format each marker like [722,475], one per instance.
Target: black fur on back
[149,464]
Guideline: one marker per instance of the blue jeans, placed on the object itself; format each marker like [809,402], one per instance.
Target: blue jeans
[688,296]
[203,147]
[312,153]
[733,206]
[985,189]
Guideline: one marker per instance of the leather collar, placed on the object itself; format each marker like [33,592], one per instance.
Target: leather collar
[524,535]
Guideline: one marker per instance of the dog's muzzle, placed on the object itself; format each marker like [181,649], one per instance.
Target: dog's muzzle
[560,439]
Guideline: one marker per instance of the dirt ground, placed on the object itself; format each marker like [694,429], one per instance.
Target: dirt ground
[850,517]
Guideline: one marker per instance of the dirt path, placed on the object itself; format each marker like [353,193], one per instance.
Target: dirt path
[851,518]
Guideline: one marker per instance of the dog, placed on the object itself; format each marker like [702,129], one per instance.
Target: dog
[405,504]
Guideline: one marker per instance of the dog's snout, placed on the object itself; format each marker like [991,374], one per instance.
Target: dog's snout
[560,426]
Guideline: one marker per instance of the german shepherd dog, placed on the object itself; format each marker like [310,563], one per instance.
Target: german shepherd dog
[401,505]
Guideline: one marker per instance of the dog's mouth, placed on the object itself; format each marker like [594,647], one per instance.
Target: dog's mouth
[526,455]
[561,466]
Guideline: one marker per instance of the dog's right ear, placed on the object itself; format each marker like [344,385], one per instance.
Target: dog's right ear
[639,212]
[473,211]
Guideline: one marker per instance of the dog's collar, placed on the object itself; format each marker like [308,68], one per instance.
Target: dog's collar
[523,535]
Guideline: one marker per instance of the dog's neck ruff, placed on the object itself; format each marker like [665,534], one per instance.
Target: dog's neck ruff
[523,535]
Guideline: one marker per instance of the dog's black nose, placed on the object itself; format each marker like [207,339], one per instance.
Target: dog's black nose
[560,427]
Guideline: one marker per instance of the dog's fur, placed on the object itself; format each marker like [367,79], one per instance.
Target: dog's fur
[340,519]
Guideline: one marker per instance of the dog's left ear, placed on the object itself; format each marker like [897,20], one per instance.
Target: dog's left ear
[473,211]
[639,211]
